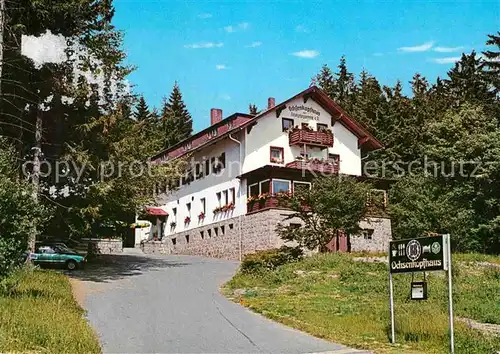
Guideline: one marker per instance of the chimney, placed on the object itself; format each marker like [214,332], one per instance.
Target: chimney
[215,115]
[271,102]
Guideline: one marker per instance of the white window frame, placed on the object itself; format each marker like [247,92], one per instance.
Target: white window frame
[300,182]
[280,180]
[260,185]
[203,205]
[232,196]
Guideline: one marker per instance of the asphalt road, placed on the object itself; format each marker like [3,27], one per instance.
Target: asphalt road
[171,304]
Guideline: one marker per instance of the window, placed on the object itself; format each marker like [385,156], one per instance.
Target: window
[335,158]
[321,127]
[300,186]
[187,238]
[286,124]
[202,234]
[203,205]
[207,167]
[222,230]
[188,208]
[304,153]
[226,198]
[253,190]
[276,154]
[367,234]
[209,232]
[198,171]
[174,241]
[222,160]
[280,185]
[231,226]
[216,231]
[174,211]
[305,126]
[214,166]
[218,195]
[264,186]
[232,195]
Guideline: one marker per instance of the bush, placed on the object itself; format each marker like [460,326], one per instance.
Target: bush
[270,259]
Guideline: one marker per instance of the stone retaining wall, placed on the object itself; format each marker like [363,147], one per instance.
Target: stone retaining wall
[235,237]
[105,246]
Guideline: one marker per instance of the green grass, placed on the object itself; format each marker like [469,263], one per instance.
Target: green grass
[333,297]
[38,314]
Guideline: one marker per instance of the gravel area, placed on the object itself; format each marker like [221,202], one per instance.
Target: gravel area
[152,304]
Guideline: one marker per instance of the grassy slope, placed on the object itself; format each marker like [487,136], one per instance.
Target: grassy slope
[333,297]
[39,314]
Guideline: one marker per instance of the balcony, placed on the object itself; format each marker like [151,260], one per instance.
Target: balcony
[315,165]
[265,201]
[322,138]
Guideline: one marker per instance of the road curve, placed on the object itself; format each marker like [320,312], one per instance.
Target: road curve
[171,304]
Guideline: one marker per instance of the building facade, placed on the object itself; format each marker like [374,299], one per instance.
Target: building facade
[224,204]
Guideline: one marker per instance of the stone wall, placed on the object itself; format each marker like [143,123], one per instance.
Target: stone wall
[105,246]
[235,237]
[373,241]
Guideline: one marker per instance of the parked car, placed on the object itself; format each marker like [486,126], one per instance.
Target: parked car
[57,254]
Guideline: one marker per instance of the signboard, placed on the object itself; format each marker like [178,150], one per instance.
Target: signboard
[304,112]
[418,255]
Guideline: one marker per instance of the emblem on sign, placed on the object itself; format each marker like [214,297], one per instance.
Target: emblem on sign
[436,247]
[413,250]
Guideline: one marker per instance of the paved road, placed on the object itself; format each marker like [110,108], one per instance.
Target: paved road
[171,304]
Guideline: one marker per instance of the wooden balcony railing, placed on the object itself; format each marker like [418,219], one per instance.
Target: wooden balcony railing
[317,138]
[315,166]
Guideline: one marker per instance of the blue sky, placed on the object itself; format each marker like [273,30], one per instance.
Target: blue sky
[227,54]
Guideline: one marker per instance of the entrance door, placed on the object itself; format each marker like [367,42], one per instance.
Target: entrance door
[339,243]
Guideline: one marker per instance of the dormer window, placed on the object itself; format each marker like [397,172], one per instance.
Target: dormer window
[230,125]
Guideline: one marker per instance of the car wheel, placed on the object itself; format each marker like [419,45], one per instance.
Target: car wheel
[71,265]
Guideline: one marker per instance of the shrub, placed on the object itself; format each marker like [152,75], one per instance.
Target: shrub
[270,259]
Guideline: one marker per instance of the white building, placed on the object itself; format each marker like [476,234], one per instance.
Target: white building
[243,156]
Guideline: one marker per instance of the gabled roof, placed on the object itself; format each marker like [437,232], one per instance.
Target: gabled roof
[366,141]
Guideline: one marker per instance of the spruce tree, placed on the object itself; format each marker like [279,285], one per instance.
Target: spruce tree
[176,120]
[142,112]
[492,61]
[325,81]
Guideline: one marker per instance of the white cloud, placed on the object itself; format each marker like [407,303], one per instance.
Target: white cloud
[448,49]
[448,60]
[207,15]
[239,27]
[225,96]
[254,44]
[47,48]
[302,29]
[220,67]
[418,48]
[204,45]
[309,54]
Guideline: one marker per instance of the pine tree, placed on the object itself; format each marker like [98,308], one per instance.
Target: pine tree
[468,81]
[345,85]
[142,112]
[325,81]
[176,120]
[492,61]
